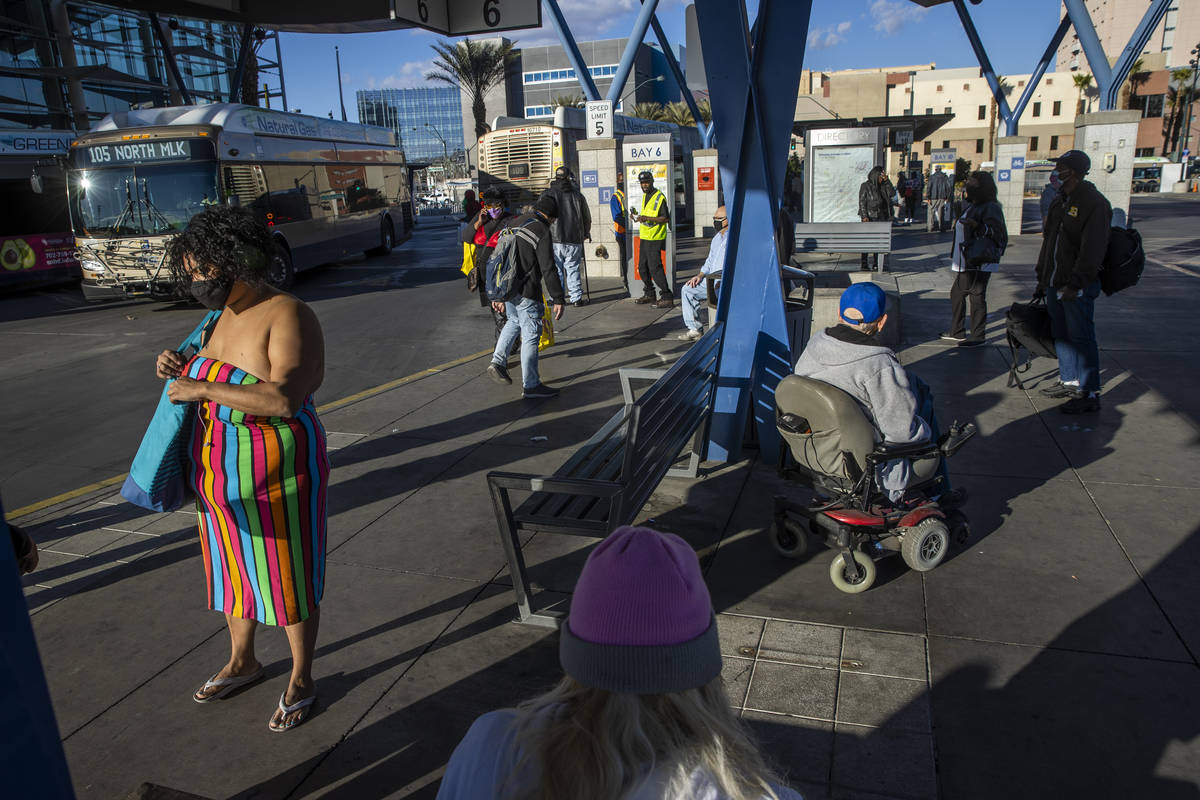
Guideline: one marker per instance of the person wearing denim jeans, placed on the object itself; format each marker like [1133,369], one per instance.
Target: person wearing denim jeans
[522,306]
[1074,243]
[694,293]
[1074,328]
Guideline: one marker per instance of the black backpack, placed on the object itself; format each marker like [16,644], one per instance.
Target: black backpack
[1028,325]
[1123,261]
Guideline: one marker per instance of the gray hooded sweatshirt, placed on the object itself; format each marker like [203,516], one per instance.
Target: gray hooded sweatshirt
[870,373]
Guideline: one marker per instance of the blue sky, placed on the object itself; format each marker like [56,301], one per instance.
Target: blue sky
[842,35]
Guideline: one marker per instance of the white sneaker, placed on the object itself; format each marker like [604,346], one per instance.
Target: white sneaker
[690,335]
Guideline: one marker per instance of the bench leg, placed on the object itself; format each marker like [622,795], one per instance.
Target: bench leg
[512,551]
[693,467]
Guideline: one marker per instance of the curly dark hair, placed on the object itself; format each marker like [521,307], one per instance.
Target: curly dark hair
[228,242]
[987,186]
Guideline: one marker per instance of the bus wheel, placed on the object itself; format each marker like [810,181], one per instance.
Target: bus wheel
[280,272]
[387,239]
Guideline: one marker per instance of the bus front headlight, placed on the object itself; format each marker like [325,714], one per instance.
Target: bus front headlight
[91,265]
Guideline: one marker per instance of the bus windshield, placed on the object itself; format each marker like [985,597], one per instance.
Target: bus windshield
[142,200]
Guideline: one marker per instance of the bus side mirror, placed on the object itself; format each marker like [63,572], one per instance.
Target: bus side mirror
[233,201]
[36,183]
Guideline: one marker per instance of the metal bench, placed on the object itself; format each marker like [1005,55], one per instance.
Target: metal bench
[844,237]
[607,481]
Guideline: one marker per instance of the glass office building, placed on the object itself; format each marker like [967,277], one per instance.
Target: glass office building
[425,118]
[65,65]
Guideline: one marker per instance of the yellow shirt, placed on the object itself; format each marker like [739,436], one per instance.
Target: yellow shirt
[652,206]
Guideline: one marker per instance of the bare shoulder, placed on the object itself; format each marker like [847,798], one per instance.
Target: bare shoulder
[289,310]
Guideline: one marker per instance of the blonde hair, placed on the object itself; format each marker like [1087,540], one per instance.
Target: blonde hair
[591,744]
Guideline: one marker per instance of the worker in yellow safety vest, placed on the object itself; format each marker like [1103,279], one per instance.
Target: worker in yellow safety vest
[616,205]
[652,230]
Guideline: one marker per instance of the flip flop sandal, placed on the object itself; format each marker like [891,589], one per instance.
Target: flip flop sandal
[286,709]
[226,685]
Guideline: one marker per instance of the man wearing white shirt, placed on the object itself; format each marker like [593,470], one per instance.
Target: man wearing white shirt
[694,292]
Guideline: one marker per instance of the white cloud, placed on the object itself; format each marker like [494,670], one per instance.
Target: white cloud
[406,76]
[892,15]
[589,20]
[820,38]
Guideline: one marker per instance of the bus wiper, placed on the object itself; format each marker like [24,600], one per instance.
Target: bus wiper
[126,212]
[156,216]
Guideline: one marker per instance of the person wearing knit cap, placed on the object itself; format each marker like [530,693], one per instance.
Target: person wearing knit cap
[523,309]
[641,713]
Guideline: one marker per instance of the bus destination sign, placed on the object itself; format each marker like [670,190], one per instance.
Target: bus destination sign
[134,153]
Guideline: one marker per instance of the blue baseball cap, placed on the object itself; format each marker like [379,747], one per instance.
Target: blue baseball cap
[863,302]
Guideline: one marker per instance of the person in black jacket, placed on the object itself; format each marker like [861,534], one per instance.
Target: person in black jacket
[875,205]
[524,309]
[982,219]
[571,228]
[1068,269]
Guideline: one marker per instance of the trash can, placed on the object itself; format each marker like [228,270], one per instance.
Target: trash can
[798,309]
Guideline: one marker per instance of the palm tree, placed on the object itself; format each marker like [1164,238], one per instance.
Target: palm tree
[652,111]
[1179,96]
[1136,78]
[1005,89]
[705,107]
[678,113]
[1083,83]
[570,101]
[473,67]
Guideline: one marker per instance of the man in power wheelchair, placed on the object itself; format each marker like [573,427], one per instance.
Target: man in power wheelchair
[861,431]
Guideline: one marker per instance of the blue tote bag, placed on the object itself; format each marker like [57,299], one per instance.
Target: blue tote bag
[158,478]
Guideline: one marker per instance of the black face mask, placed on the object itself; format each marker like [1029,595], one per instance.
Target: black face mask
[973,193]
[211,294]
[718,223]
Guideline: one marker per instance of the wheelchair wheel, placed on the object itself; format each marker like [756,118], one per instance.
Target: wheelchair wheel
[959,525]
[925,544]
[844,580]
[788,537]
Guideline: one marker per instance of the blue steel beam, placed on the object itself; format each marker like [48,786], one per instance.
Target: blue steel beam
[673,64]
[1109,79]
[753,100]
[985,63]
[1010,125]
[32,758]
[1133,50]
[572,50]
[636,37]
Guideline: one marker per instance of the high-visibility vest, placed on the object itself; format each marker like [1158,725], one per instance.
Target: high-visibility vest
[619,223]
[652,206]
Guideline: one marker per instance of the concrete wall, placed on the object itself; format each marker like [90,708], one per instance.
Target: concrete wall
[1011,193]
[705,202]
[601,254]
[1110,132]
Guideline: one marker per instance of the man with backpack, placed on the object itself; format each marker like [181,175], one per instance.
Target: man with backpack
[521,261]
[1074,244]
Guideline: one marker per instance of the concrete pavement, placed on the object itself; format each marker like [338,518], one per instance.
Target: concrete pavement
[1054,656]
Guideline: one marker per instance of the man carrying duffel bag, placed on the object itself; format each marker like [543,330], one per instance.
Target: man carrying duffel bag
[1068,268]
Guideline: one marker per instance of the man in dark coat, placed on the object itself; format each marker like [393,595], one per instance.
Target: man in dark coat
[1068,269]
[571,228]
[535,262]
[875,205]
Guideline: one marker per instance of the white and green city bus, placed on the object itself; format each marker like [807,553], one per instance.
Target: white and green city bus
[325,188]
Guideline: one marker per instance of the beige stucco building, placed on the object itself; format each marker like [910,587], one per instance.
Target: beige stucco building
[1115,21]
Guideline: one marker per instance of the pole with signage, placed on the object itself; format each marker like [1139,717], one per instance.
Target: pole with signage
[599,119]
[653,153]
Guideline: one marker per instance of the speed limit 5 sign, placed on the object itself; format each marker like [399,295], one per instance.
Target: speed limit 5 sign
[599,119]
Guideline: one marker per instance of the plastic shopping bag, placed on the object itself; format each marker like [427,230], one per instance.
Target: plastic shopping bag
[546,339]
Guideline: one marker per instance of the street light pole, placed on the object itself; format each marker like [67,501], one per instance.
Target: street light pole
[657,79]
[1187,132]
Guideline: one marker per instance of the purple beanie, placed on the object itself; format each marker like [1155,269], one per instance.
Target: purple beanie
[641,619]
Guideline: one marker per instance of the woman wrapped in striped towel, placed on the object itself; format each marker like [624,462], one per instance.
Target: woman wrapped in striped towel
[259,467]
